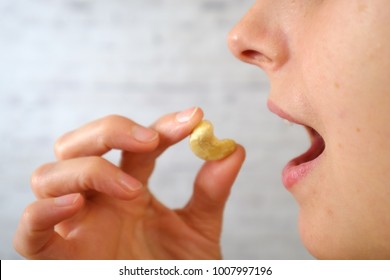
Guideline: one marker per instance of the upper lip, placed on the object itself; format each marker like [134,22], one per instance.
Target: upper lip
[278,111]
[315,137]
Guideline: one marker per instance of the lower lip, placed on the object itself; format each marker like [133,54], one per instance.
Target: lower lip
[293,173]
[296,169]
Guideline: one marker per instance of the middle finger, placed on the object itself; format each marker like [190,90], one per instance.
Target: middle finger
[81,175]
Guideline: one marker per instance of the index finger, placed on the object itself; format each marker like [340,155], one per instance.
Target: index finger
[100,136]
[171,128]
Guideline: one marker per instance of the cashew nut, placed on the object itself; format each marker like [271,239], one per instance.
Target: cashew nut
[206,146]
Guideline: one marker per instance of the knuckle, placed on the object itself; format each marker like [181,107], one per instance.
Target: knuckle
[106,127]
[109,121]
[92,168]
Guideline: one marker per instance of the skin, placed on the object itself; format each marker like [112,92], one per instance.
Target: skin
[327,62]
[88,208]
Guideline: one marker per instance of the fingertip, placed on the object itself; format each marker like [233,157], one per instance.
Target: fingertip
[193,113]
[240,153]
[69,200]
[183,121]
[131,186]
[174,127]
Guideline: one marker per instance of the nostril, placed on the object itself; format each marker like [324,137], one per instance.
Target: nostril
[255,57]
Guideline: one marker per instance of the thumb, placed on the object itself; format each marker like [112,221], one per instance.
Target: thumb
[211,191]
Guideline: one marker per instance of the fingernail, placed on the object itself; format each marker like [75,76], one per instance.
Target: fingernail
[144,134]
[66,200]
[129,183]
[186,115]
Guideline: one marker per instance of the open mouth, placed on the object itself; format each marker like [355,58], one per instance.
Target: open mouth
[315,150]
[299,167]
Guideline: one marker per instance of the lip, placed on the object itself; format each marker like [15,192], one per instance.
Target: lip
[299,167]
[277,111]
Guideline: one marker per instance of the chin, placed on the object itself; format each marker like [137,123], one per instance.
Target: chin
[322,241]
[327,243]
[312,241]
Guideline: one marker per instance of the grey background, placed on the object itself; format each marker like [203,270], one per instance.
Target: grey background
[64,63]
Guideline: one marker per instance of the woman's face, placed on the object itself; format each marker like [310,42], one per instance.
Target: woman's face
[328,62]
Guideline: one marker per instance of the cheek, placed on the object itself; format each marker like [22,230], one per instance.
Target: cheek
[344,206]
[348,87]
[344,210]
[349,194]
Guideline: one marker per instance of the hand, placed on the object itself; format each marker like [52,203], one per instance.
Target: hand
[89,208]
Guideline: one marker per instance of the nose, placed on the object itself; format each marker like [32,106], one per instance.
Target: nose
[259,39]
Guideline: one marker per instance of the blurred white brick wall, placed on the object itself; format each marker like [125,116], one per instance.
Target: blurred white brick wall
[66,62]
